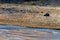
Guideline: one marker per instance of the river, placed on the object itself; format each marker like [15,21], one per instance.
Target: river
[8,32]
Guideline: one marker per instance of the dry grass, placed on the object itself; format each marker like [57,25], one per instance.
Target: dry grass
[32,19]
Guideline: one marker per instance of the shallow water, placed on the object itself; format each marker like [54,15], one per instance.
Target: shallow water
[8,32]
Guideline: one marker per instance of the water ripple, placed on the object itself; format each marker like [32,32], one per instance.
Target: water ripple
[8,32]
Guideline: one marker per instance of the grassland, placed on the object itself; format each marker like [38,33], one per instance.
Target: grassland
[30,16]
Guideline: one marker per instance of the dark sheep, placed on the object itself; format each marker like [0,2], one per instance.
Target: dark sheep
[47,14]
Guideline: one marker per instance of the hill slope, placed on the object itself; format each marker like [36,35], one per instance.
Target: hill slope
[30,16]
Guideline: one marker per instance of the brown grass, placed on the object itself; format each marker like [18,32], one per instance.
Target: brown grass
[32,19]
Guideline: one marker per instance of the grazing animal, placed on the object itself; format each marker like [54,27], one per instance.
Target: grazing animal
[47,14]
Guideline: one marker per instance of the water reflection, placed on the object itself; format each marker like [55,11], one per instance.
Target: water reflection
[8,32]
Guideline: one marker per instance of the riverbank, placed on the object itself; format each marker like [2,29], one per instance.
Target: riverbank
[30,16]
